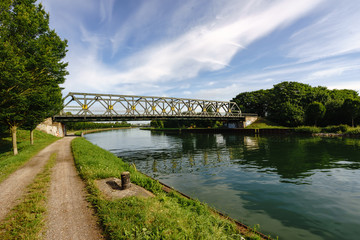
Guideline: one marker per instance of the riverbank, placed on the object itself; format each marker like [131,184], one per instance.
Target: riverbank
[166,216]
[330,131]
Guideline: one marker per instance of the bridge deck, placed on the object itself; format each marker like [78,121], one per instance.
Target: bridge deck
[104,118]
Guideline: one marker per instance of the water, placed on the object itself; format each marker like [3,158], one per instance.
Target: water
[293,187]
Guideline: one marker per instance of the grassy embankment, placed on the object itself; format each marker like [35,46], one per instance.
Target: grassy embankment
[27,219]
[263,123]
[166,216]
[8,162]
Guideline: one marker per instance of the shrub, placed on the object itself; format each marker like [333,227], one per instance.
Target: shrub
[307,129]
[336,129]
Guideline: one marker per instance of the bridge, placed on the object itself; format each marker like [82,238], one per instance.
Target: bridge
[80,107]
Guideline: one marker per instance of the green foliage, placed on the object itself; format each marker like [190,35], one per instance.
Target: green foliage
[253,102]
[291,103]
[351,109]
[353,131]
[157,124]
[30,65]
[336,129]
[92,125]
[307,129]
[314,112]
[175,124]
[165,216]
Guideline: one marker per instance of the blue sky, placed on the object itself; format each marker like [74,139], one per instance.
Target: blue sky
[212,49]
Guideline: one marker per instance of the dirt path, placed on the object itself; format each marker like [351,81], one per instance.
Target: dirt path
[12,188]
[69,215]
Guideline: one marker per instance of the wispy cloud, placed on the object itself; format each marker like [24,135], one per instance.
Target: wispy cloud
[334,34]
[157,47]
[211,47]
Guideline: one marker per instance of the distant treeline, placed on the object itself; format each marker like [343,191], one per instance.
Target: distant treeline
[185,124]
[294,104]
[94,125]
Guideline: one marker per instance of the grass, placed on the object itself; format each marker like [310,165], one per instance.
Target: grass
[166,216]
[27,219]
[8,162]
[261,123]
[338,129]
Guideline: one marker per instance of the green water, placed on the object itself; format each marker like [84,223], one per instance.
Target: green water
[293,187]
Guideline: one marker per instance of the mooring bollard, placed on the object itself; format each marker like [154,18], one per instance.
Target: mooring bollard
[125,180]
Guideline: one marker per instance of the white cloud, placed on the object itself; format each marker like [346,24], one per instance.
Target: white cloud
[223,94]
[336,33]
[208,48]
[106,9]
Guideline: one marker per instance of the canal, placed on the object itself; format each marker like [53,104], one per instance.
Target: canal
[291,187]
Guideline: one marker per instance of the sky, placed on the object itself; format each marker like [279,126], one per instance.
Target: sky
[206,49]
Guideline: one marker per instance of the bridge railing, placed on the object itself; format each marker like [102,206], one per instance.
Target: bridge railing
[89,104]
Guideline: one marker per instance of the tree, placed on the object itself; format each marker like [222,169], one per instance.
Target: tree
[314,112]
[253,102]
[351,108]
[333,114]
[30,65]
[43,104]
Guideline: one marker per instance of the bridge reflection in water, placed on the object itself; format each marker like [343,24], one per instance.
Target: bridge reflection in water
[110,107]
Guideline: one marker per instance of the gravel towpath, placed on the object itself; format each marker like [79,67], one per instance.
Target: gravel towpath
[69,214]
[12,188]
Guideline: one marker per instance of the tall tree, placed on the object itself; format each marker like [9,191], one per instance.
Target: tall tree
[314,112]
[351,108]
[253,102]
[31,66]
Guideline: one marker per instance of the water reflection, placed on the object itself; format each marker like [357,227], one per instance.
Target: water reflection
[294,187]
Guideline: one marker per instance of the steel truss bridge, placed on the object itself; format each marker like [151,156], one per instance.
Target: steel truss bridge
[81,107]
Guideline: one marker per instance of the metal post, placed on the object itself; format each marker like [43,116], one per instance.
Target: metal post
[125,180]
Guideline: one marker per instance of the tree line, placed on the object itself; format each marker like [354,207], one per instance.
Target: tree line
[95,125]
[31,66]
[293,104]
[185,124]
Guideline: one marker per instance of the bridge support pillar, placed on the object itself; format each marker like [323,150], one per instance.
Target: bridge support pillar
[54,128]
[234,124]
[241,124]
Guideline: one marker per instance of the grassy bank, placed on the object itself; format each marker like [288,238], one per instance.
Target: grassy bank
[8,162]
[344,130]
[27,219]
[166,216]
[263,123]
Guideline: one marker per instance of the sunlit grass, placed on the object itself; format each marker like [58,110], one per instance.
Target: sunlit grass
[166,216]
[26,220]
[8,162]
[262,123]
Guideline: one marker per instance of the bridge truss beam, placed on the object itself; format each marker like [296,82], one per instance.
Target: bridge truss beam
[110,107]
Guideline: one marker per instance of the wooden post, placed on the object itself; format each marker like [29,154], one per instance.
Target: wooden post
[125,180]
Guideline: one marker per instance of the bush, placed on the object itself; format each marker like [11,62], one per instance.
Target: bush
[353,131]
[336,129]
[307,129]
